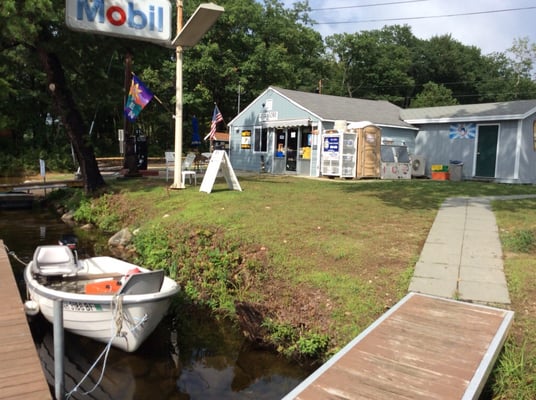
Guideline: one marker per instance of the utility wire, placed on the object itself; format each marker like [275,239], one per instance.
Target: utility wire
[367,5]
[426,17]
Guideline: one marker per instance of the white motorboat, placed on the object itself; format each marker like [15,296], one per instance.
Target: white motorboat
[103,298]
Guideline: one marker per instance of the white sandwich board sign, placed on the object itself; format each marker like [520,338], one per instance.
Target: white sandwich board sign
[219,161]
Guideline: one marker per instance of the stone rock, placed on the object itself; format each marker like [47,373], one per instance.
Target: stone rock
[121,238]
[68,216]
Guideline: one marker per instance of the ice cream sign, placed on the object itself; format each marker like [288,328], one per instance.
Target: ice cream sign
[148,20]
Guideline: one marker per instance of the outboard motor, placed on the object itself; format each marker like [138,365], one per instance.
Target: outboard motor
[69,240]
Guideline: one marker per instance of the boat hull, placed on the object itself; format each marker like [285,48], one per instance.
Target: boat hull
[124,320]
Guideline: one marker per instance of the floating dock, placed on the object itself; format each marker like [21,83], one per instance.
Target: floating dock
[21,375]
[14,201]
[424,347]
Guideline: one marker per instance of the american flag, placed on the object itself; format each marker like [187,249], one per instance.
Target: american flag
[216,119]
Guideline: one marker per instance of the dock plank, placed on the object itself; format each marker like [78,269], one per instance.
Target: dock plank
[21,375]
[424,347]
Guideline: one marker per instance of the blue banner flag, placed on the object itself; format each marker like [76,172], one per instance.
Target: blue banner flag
[196,139]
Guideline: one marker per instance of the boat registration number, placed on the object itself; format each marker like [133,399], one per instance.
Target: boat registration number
[80,306]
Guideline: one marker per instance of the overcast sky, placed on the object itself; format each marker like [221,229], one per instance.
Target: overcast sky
[491,25]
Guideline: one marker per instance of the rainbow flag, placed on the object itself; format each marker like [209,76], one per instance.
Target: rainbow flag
[138,97]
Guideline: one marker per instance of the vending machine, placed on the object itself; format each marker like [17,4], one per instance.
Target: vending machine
[339,154]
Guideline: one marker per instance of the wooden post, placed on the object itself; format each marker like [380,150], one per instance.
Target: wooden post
[130,163]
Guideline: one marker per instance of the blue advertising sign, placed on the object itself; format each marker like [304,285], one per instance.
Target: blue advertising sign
[331,143]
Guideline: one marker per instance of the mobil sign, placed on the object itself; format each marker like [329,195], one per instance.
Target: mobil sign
[136,19]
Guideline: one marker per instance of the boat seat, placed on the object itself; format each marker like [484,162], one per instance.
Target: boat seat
[144,283]
[54,260]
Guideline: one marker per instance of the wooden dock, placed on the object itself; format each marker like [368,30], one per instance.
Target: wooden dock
[21,375]
[423,348]
[28,187]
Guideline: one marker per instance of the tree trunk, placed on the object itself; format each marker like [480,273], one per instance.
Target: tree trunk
[72,121]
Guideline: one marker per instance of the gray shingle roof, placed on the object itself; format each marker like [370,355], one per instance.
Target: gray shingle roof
[332,108]
[468,112]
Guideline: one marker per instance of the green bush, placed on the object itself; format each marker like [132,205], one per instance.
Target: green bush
[98,212]
[207,266]
[312,345]
[153,249]
[293,343]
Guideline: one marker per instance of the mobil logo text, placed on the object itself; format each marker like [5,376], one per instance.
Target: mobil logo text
[137,19]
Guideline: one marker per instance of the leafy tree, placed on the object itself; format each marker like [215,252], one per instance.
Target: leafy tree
[30,31]
[434,95]
[499,81]
[524,57]
[452,64]
[20,79]
[374,64]
[252,45]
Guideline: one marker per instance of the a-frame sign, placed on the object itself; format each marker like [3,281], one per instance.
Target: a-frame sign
[219,160]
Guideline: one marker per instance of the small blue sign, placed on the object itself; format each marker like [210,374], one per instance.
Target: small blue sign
[331,143]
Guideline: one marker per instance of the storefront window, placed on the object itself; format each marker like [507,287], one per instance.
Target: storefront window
[261,139]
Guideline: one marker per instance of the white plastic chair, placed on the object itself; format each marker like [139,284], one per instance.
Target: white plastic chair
[186,171]
[186,165]
[170,160]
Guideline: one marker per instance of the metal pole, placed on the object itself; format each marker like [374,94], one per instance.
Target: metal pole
[177,175]
[238,105]
[59,349]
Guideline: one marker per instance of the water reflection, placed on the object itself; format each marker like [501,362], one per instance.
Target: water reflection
[189,356]
[117,382]
[218,364]
[213,363]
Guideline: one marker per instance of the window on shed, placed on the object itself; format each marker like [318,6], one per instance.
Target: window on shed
[260,139]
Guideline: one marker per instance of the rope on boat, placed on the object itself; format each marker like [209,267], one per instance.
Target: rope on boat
[12,254]
[117,323]
[143,320]
[118,313]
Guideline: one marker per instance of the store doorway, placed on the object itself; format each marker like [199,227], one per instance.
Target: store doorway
[292,149]
[486,153]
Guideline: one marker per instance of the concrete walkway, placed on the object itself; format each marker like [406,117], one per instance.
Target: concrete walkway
[462,257]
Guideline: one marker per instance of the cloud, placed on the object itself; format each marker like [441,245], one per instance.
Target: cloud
[471,22]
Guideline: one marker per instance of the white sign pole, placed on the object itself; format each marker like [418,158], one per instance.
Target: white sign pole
[42,172]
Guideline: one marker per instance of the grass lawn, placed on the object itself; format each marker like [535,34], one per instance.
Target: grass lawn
[322,258]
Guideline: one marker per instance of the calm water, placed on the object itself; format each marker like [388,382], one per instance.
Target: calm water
[189,356]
